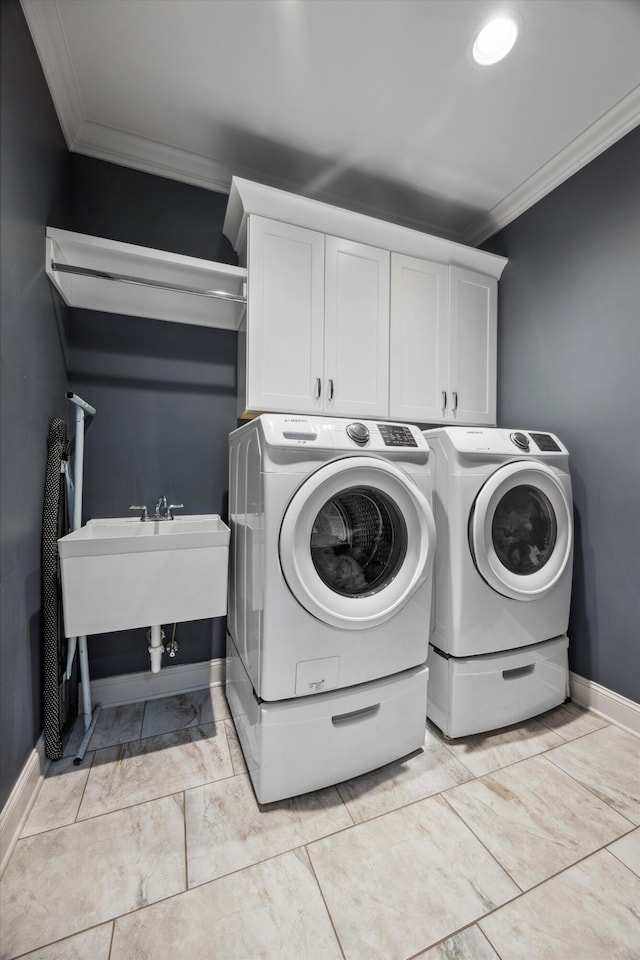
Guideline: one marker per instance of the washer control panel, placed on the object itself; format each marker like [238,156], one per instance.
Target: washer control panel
[396,440]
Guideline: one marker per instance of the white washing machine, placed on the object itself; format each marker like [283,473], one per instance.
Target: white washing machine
[330,583]
[504,516]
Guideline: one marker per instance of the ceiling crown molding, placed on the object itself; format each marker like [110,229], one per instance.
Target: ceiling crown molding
[607,130]
[152,156]
[47,33]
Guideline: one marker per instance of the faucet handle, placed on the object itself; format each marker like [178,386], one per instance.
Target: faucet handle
[174,506]
[145,512]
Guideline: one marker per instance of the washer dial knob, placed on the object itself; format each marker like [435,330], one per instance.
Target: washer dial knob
[521,440]
[358,432]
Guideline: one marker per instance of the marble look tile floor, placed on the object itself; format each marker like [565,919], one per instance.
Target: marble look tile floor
[523,844]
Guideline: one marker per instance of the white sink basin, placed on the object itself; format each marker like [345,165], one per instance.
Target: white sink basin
[123,572]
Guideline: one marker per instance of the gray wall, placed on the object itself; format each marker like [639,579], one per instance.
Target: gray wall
[33,190]
[165,393]
[569,362]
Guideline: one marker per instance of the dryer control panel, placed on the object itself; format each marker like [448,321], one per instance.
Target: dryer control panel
[495,441]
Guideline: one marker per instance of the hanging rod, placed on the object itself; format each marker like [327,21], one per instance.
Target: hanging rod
[143,282]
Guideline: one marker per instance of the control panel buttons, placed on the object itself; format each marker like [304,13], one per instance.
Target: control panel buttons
[545,442]
[396,435]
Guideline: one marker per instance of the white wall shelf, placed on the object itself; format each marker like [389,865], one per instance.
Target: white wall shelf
[97,274]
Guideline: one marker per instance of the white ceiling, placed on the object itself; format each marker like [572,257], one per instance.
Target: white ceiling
[373,105]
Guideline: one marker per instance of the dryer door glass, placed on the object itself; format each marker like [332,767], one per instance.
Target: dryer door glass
[358,541]
[521,530]
[524,529]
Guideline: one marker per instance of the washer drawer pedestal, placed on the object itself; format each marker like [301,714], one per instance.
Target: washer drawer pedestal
[470,695]
[306,743]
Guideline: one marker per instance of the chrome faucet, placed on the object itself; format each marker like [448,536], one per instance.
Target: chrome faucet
[163,510]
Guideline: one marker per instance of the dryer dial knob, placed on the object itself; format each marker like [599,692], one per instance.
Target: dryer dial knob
[521,440]
[358,433]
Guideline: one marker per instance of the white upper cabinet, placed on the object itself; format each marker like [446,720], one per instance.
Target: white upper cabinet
[352,316]
[443,343]
[472,363]
[419,339]
[285,319]
[317,333]
[356,339]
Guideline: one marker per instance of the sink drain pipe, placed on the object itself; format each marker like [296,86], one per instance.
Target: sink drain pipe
[156,647]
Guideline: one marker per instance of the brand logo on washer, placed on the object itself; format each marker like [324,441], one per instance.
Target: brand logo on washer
[295,420]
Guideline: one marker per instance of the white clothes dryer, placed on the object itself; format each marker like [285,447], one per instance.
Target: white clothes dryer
[504,516]
[330,583]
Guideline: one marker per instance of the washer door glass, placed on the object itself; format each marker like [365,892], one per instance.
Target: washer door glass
[357,540]
[521,530]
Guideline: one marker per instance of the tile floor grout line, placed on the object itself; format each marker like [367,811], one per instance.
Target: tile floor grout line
[570,866]
[52,943]
[594,793]
[617,858]
[84,789]
[324,901]
[126,806]
[152,736]
[510,763]
[185,839]
[111,939]
[274,856]
[523,890]
[491,854]
[449,936]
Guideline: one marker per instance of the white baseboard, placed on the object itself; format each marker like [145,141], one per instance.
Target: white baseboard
[133,687]
[21,799]
[606,703]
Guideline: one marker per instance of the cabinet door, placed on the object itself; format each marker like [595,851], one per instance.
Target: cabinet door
[285,317]
[356,365]
[473,343]
[419,339]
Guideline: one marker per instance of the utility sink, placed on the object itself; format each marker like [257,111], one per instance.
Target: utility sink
[123,572]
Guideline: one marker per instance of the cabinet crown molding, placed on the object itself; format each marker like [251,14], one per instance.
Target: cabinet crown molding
[247,197]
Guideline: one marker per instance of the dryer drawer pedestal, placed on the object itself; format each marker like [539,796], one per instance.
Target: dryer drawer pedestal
[470,695]
[306,743]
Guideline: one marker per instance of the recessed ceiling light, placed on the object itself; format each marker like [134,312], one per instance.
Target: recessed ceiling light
[495,40]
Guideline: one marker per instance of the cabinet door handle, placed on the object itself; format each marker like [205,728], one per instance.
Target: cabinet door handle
[318,388]
[330,388]
[455,401]
[444,400]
